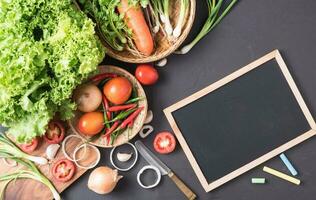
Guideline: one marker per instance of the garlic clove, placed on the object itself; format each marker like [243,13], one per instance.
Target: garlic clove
[149,117]
[52,150]
[123,157]
[162,62]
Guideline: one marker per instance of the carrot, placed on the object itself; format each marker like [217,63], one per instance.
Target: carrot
[135,20]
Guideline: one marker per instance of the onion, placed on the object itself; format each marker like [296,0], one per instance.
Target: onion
[103,180]
[88,97]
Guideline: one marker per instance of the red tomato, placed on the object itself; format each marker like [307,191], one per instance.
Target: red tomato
[164,143]
[146,74]
[55,133]
[29,147]
[63,170]
[118,90]
[91,123]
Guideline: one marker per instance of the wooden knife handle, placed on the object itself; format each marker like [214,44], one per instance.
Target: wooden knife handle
[186,191]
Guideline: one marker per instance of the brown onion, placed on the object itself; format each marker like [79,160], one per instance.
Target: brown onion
[88,97]
[103,180]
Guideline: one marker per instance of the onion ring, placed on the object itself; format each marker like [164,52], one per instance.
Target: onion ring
[132,165]
[92,165]
[147,167]
[64,150]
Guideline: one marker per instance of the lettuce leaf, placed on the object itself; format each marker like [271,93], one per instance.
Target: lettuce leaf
[47,49]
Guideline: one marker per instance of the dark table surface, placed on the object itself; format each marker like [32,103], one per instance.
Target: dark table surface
[251,30]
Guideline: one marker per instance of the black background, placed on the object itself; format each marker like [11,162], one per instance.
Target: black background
[252,29]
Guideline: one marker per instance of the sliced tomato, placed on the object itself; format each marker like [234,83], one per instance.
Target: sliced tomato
[164,143]
[55,133]
[29,147]
[63,170]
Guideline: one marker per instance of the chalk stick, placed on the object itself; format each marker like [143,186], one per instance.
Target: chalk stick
[258,180]
[288,164]
[281,175]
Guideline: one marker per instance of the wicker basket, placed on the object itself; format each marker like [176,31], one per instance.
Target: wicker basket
[163,47]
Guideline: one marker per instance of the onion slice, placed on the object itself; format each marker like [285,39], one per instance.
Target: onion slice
[64,149]
[85,146]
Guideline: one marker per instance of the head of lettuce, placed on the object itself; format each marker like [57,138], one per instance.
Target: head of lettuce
[46,49]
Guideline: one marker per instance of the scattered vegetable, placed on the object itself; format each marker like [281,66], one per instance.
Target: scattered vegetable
[47,49]
[149,117]
[31,172]
[91,123]
[146,74]
[9,150]
[145,131]
[55,133]
[88,97]
[63,170]
[85,145]
[64,147]
[52,150]
[162,62]
[164,143]
[134,18]
[103,180]
[124,157]
[29,147]
[103,76]
[214,17]
[122,107]
[118,90]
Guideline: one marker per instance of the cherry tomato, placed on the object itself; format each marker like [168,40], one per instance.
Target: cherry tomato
[91,123]
[63,170]
[118,90]
[29,147]
[164,143]
[55,133]
[146,74]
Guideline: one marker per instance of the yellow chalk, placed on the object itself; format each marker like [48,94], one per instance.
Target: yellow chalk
[281,175]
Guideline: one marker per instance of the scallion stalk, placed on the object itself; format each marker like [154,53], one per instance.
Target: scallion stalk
[183,9]
[8,147]
[10,151]
[213,19]
[165,18]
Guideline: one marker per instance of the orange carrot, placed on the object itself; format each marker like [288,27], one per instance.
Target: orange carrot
[135,20]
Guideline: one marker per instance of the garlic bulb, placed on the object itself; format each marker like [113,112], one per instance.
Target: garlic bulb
[123,157]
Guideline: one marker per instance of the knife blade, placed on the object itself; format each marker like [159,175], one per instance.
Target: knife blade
[151,158]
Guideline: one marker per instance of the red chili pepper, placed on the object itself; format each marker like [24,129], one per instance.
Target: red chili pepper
[100,77]
[130,125]
[122,107]
[131,117]
[110,130]
[107,106]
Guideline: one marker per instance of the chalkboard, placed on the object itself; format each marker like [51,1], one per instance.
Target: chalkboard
[241,121]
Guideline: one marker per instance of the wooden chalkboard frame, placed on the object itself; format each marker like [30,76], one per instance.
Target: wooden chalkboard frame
[244,70]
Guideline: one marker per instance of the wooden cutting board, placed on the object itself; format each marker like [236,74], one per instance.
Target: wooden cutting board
[28,189]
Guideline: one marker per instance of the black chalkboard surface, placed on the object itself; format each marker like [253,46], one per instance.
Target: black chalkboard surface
[229,125]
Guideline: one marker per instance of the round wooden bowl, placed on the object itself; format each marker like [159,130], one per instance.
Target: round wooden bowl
[138,123]
[163,47]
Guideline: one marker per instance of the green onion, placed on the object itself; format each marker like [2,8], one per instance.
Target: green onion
[183,9]
[10,151]
[213,19]
[165,17]
[8,147]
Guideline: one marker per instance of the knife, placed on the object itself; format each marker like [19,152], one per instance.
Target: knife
[153,160]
